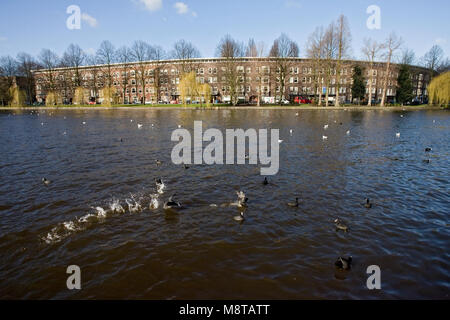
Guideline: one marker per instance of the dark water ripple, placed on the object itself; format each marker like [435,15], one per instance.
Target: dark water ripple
[278,252]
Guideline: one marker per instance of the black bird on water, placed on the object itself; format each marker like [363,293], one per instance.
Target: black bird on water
[428,149]
[368,205]
[171,203]
[46,181]
[343,263]
[265,182]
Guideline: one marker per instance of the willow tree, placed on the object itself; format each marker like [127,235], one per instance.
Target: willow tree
[439,90]
[204,92]
[109,95]
[17,96]
[188,86]
[79,96]
[53,98]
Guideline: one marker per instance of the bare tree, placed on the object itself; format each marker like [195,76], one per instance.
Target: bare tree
[331,49]
[125,56]
[255,50]
[408,57]
[392,44]
[106,57]
[26,65]
[92,78]
[49,61]
[141,52]
[283,50]
[315,51]
[231,50]
[432,59]
[157,54]
[74,57]
[344,44]
[185,52]
[251,50]
[444,66]
[371,51]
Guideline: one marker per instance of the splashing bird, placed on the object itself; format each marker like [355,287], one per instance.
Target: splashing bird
[154,202]
[171,204]
[242,199]
[160,186]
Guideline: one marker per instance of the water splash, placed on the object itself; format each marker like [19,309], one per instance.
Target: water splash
[154,202]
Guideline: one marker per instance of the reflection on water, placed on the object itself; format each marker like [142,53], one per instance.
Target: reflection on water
[97,213]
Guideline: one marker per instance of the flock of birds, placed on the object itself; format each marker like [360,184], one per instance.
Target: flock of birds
[343,263]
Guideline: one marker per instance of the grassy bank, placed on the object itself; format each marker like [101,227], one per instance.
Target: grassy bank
[222,106]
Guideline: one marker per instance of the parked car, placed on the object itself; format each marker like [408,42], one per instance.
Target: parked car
[283,101]
[302,100]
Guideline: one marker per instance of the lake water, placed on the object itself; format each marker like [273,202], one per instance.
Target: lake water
[201,252]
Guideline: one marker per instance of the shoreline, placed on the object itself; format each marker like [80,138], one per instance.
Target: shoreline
[271,107]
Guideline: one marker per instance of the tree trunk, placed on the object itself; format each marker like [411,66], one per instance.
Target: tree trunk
[386,77]
[369,103]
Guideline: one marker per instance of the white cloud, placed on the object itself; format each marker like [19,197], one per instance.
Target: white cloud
[181,8]
[152,5]
[293,4]
[90,20]
[440,41]
[194,14]
[3,38]
[90,51]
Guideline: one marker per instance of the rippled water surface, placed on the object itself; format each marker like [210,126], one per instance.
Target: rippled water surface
[201,252]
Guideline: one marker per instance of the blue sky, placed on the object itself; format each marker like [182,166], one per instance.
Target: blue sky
[30,25]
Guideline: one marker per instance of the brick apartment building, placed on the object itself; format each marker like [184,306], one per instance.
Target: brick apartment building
[254,78]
